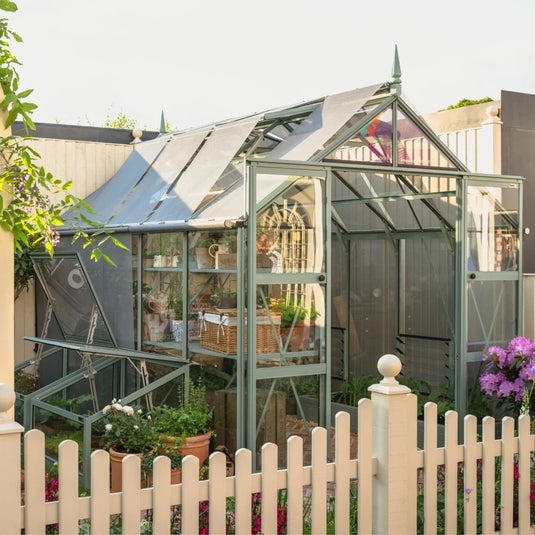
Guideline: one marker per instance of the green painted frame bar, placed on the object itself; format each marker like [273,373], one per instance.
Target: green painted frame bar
[393,198]
[280,372]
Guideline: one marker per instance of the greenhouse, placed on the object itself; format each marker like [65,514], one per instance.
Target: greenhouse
[344,223]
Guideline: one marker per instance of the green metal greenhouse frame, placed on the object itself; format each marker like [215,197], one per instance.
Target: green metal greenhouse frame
[401,192]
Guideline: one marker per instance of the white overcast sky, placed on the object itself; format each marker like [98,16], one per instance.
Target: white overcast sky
[202,61]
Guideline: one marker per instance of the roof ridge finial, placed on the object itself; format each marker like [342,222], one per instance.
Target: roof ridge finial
[396,73]
[162,124]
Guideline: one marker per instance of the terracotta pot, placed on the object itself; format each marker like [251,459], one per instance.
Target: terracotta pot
[116,468]
[300,336]
[198,446]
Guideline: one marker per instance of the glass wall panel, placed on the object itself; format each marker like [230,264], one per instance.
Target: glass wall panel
[414,146]
[161,293]
[373,291]
[290,322]
[290,236]
[492,226]
[373,143]
[492,313]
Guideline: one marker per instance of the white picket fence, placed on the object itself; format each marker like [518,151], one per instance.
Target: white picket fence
[387,472]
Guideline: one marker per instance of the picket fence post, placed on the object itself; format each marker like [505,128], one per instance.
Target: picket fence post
[10,435]
[394,414]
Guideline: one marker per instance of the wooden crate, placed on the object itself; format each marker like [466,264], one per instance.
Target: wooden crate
[219,331]
[272,430]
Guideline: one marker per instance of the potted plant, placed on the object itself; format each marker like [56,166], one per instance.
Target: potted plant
[295,323]
[224,298]
[202,252]
[185,430]
[126,431]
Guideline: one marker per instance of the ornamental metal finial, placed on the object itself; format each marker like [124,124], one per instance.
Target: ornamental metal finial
[162,124]
[396,73]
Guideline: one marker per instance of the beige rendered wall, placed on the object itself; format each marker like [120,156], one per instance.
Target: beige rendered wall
[472,133]
[88,165]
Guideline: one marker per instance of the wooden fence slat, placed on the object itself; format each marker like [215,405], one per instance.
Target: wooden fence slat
[295,485]
[470,474]
[341,471]
[243,491]
[34,482]
[364,474]
[412,479]
[130,499]
[507,475]
[190,494]
[68,486]
[319,480]
[524,458]
[161,475]
[451,472]
[217,498]
[269,489]
[488,472]
[100,491]
[430,480]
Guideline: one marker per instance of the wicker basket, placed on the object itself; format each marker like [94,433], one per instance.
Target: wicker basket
[219,331]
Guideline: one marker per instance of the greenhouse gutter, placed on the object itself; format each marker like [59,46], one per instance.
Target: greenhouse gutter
[164,226]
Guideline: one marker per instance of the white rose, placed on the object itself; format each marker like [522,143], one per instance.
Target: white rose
[117,406]
[136,427]
[108,427]
[128,410]
[140,411]
[106,409]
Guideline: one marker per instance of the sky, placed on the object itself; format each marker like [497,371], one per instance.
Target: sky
[204,61]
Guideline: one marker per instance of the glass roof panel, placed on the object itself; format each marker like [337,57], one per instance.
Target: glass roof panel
[325,121]
[415,149]
[372,143]
[65,282]
[106,198]
[159,177]
[232,175]
[204,171]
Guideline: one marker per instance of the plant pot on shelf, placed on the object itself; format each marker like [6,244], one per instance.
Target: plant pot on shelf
[299,337]
[203,258]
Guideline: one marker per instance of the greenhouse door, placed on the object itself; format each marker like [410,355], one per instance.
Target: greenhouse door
[489,263]
[287,347]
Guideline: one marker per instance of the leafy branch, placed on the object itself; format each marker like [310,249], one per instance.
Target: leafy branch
[25,187]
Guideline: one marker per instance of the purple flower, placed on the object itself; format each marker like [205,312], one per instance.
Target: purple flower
[521,346]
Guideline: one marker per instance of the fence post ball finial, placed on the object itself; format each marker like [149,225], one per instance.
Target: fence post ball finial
[389,366]
[7,398]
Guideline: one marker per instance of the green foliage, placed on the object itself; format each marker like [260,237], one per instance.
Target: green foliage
[25,207]
[120,120]
[25,383]
[210,377]
[126,429]
[355,389]
[467,102]
[291,311]
[193,417]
